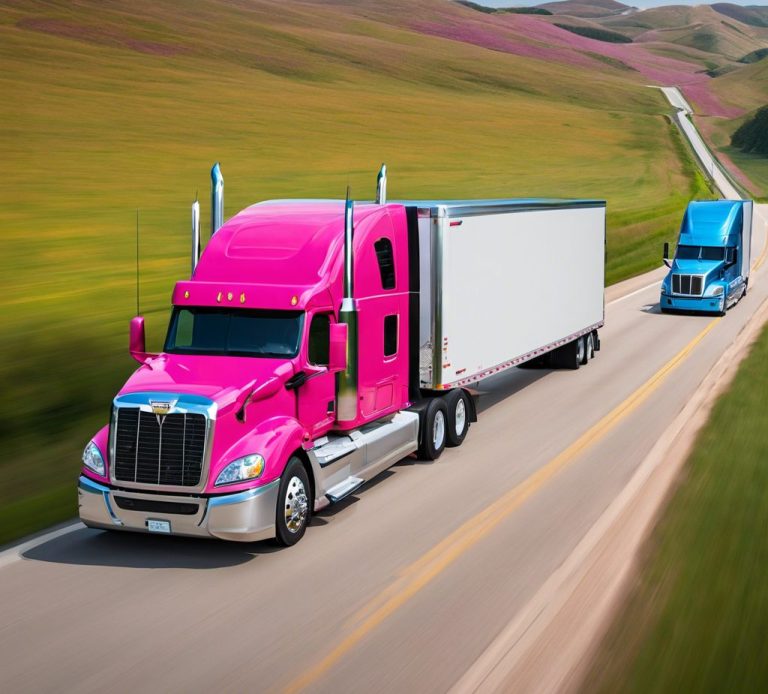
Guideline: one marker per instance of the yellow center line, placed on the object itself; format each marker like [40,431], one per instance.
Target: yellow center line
[425,569]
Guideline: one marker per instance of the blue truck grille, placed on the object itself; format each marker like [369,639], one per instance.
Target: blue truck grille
[165,450]
[688,285]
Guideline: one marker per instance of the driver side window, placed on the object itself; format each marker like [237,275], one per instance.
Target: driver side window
[319,340]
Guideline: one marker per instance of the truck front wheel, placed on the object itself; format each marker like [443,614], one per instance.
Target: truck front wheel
[433,430]
[293,504]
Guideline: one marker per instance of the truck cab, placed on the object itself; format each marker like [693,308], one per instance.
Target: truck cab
[710,270]
[259,357]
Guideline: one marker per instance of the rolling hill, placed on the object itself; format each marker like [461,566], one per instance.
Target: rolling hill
[586,8]
[752,15]
[110,107]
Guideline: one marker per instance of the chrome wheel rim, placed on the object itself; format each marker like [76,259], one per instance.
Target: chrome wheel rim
[296,505]
[438,430]
[590,347]
[580,351]
[460,418]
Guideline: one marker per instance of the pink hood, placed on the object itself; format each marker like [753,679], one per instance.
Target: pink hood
[225,380]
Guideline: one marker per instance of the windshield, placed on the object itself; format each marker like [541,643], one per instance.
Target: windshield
[700,253]
[234,332]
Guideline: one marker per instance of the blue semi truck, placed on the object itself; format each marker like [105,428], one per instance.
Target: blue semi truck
[710,270]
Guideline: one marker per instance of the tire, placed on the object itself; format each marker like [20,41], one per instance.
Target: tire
[589,349]
[458,405]
[432,437]
[570,356]
[293,504]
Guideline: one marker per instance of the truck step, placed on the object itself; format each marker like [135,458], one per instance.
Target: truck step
[344,488]
[329,449]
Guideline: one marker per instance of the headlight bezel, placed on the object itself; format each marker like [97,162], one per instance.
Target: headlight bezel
[92,453]
[244,469]
[717,290]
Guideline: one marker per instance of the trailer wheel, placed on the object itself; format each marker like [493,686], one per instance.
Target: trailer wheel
[293,504]
[571,355]
[589,349]
[458,406]
[432,436]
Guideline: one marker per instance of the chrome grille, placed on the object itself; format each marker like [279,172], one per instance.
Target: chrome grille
[164,450]
[689,285]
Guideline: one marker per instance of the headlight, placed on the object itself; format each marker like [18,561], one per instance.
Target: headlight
[718,290]
[247,468]
[93,460]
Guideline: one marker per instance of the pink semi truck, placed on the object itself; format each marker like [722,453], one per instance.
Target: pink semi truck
[319,342]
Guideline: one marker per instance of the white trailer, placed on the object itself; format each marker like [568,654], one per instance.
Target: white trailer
[504,282]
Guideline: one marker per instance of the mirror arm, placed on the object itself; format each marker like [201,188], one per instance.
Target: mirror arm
[296,381]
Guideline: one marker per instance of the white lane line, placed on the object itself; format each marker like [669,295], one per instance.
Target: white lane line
[9,556]
[634,293]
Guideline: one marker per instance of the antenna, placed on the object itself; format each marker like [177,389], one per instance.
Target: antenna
[138,311]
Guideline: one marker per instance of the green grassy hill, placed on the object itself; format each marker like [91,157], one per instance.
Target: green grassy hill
[749,88]
[110,107]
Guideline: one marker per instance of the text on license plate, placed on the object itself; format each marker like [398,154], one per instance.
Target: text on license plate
[158,526]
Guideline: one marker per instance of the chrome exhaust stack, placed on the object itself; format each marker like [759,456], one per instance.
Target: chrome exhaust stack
[381,186]
[217,198]
[195,234]
[347,396]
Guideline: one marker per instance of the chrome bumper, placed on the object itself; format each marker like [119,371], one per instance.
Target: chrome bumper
[242,516]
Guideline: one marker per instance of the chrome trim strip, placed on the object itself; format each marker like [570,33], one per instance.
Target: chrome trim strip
[112,514]
[88,485]
[438,227]
[470,208]
[240,497]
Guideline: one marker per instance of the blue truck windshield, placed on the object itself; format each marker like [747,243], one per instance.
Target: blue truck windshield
[700,253]
[234,332]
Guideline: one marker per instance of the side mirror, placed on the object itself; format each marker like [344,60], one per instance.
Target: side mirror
[137,340]
[337,357]
[666,255]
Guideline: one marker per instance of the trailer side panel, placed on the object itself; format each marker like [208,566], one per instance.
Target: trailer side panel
[514,284]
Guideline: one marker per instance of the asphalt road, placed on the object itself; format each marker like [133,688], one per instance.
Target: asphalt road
[400,588]
[708,162]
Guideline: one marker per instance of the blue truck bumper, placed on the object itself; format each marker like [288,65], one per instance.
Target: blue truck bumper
[705,304]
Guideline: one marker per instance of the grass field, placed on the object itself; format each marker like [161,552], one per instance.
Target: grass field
[697,619]
[748,87]
[112,107]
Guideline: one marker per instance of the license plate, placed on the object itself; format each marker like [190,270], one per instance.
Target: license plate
[159,526]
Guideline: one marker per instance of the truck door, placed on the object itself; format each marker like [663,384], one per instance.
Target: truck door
[317,397]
